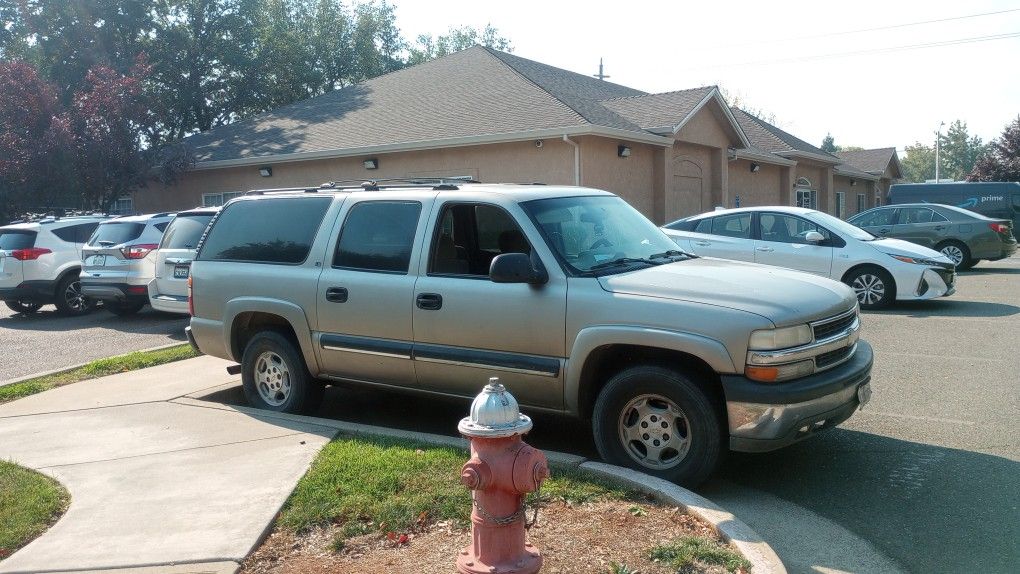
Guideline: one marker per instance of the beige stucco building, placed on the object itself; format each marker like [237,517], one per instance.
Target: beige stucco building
[495,117]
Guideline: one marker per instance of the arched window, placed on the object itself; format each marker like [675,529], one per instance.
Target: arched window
[803,182]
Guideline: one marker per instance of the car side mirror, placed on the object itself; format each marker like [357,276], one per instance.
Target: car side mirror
[517,268]
[814,237]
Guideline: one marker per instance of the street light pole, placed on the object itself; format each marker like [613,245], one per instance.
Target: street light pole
[938,145]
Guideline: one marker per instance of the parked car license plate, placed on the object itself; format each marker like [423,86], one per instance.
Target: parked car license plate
[181,271]
[99,260]
[863,394]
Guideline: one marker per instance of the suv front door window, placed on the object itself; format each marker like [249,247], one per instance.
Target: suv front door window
[364,293]
[522,338]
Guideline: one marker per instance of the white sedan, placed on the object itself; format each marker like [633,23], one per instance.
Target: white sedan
[879,270]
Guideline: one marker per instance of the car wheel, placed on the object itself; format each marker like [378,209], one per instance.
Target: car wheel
[958,253]
[873,286]
[658,421]
[274,376]
[23,308]
[122,309]
[69,299]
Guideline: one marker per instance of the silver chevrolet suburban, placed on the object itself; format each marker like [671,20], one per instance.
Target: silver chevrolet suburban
[580,305]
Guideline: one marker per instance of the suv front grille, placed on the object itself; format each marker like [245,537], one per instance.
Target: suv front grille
[830,327]
[833,357]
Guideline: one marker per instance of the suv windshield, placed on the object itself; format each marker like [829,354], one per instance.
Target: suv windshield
[596,233]
[841,227]
[115,233]
[185,231]
[11,239]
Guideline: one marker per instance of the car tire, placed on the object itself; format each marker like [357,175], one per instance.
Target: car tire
[873,286]
[682,424]
[121,309]
[274,376]
[69,299]
[22,307]
[958,252]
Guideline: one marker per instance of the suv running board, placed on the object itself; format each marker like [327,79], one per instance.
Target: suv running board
[234,369]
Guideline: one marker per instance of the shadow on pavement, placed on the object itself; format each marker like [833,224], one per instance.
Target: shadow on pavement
[991,271]
[145,322]
[949,308]
[932,509]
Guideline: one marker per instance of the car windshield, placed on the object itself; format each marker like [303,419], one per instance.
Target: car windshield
[600,233]
[841,227]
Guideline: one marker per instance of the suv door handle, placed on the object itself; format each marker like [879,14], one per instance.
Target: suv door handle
[765,249]
[336,294]
[939,227]
[429,301]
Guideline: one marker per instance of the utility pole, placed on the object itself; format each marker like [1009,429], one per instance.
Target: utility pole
[600,75]
[938,146]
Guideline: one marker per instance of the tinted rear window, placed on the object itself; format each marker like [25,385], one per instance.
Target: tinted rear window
[185,231]
[115,233]
[11,239]
[267,231]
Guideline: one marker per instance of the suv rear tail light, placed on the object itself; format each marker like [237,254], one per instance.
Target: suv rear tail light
[138,251]
[30,254]
[191,300]
[999,227]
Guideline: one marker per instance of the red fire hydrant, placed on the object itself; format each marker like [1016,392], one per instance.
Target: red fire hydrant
[502,470]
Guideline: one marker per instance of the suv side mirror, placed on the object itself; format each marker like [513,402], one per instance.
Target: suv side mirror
[814,237]
[517,268]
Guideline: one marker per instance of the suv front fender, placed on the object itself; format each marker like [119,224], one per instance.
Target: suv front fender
[712,352]
[293,314]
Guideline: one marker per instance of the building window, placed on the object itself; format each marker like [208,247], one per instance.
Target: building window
[840,204]
[861,206]
[807,198]
[122,206]
[803,182]
[218,199]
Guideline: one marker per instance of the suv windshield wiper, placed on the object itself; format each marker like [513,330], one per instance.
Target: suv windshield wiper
[624,261]
[672,253]
[104,242]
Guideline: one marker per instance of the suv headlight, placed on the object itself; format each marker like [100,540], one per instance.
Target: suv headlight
[773,339]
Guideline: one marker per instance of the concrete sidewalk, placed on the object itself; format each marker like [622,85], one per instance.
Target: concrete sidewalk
[154,483]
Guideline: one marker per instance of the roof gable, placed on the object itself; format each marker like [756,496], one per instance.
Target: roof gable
[669,112]
[881,161]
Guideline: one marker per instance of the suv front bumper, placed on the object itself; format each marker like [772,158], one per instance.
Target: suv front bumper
[764,417]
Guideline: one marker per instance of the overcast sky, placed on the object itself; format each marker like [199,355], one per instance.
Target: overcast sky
[807,62]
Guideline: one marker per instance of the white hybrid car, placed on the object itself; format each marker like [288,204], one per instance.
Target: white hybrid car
[880,271]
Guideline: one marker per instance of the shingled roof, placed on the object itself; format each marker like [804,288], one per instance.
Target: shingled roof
[474,93]
[768,137]
[652,111]
[873,161]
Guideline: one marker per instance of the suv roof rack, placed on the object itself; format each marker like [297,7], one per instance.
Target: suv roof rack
[435,183]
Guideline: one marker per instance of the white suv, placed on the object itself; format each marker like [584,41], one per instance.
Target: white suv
[40,262]
[168,292]
[118,261]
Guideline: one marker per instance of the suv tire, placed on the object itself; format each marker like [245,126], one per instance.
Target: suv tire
[69,299]
[122,309]
[23,308]
[274,376]
[679,418]
[873,286]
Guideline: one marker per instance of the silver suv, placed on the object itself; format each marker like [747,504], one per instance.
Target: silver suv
[118,262]
[40,262]
[574,299]
[168,291]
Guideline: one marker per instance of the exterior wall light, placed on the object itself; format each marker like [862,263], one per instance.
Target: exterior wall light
[266,171]
[755,168]
[853,182]
[372,163]
[623,151]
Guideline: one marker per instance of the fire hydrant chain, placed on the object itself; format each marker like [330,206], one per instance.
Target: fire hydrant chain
[534,508]
[495,519]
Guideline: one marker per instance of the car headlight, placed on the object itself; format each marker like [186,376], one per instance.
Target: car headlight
[915,260]
[773,339]
[777,373]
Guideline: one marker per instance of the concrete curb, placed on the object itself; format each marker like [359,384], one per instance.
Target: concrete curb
[746,541]
[80,365]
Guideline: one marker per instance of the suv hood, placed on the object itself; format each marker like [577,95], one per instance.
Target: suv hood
[907,249]
[783,296]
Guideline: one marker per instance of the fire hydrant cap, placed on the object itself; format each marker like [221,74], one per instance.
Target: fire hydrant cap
[494,413]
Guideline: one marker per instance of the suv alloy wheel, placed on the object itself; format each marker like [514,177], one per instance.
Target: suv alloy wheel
[69,299]
[274,376]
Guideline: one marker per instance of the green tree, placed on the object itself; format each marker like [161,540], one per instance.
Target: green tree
[456,39]
[849,148]
[918,163]
[1001,160]
[829,144]
[959,152]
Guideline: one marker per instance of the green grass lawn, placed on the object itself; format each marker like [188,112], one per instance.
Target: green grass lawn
[388,485]
[690,550]
[95,369]
[29,503]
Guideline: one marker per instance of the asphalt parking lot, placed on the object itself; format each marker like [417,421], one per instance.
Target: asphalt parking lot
[924,479]
[46,340]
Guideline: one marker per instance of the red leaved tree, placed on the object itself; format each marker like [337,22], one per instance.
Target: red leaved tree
[1002,160]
